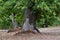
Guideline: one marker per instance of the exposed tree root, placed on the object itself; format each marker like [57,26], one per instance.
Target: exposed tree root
[18,31]
[37,30]
[26,32]
[14,29]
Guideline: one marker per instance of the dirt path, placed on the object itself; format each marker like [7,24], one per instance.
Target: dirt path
[47,34]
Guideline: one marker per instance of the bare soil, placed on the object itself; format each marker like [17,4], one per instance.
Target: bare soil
[46,34]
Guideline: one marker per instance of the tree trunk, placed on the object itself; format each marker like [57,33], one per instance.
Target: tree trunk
[14,24]
[29,21]
[29,18]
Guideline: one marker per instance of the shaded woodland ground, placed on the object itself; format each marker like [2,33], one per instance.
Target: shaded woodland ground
[52,33]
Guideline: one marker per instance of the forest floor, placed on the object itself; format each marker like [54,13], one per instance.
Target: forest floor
[52,33]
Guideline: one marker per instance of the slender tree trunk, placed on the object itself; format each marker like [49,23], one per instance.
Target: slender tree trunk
[14,24]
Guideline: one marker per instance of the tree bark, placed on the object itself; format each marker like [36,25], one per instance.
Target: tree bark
[29,21]
[14,24]
[30,18]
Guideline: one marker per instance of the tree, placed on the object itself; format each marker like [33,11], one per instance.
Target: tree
[30,18]
[15,26]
